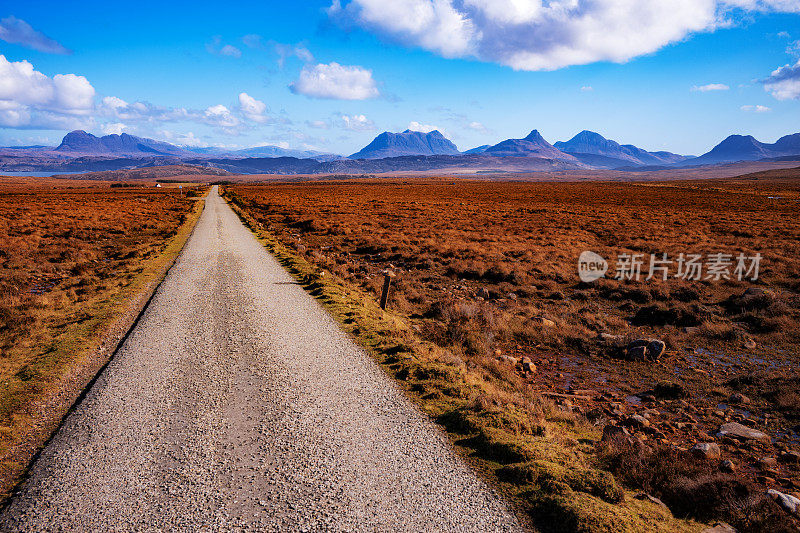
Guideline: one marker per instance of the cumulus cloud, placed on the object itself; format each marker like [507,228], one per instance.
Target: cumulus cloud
[253,109]
[17,31]
[546,35]
[477,126]
[29,98]
[357,123]
[335,81]
[115,128]
[587,89]
[710,87]
[424,128]
[756,108]
[784,83]
[220,116]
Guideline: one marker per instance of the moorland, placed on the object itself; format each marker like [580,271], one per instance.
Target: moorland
[529,367]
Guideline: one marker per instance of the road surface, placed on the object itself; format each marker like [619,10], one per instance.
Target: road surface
[237,403]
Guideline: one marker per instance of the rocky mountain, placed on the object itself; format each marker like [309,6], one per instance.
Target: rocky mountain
[389,144]
[80,142]
[477,150]
[533,145]
[747,148]
[595,150]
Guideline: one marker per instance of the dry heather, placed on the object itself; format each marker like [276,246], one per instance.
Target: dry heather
[487,276]
[70,262]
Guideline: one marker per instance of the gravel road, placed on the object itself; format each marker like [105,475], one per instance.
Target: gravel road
[237,404]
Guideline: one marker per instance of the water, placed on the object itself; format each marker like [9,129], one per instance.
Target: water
[34,174]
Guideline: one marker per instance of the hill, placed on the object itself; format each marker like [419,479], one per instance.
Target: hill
[389,144]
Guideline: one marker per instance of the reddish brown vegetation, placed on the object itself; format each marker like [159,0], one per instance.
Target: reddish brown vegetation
[485,266]
[66,258]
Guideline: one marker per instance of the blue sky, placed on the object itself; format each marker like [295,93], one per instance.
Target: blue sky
[331,76]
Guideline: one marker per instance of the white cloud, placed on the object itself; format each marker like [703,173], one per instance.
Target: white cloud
[117,108]
[29,98]
[285,51]
[546,35]
[335,81]
[424,128]
[220,116]
[477,126]
[253,109]
[710,87]
[16,31]
[357,123]
[756,108]
[113,128]
[784,83]
[587,89]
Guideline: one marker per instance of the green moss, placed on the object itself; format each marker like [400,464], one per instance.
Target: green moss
[544,473]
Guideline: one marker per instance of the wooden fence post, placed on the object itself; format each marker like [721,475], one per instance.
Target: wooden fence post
[387,280]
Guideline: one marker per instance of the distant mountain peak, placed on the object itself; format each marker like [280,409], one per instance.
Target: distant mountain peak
[81,142]
[535,136]
[594,149]
[389,144]
[534,145]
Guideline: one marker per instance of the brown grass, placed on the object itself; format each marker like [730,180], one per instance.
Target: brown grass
[481,264]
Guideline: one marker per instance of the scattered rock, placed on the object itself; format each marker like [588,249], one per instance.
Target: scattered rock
[483,292]
[651,498]
[706,450]
[637,421]
[611,339]
[529,367]
[508,359]
[738,431]
[546,322]
[790,456]
[739,398]
[613,433]
[669,390]
[719,527]
[788,502]
[750,344]
[645,349]
[727,466]
[767,463]
[511,296]
[637,353]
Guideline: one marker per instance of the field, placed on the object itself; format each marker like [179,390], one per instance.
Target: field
[526,364]
[73,257]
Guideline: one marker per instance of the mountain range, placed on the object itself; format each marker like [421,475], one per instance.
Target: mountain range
[746,147]
[388,152]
